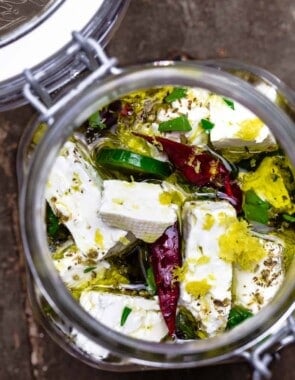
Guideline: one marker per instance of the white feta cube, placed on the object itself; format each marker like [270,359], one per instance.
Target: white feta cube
[134,316]
[195,106]
[206,286]
[238,128]
[137,207]
[73,267]
[253,290]
[88,346]
[267,90]
[74,193]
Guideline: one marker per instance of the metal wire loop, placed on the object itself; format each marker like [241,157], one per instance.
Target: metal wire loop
[38,88]
[94,58]
[268,350]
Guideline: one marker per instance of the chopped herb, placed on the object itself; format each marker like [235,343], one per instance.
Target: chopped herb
[89,269]
[125,313]
[52,222]
[179,124]
[177,93]
[255,208]
[229,102]
[289,218]
[150,279]
[274,177]
[237,315]
[95,121]
[207,125]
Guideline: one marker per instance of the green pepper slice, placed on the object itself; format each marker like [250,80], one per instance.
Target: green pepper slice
[289,218]
[186,324]
[178,124]
[121,159]
[176,94]
[207,125]
[237,315]
[255,208]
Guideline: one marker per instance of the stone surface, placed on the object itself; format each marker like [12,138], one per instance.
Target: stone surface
[256,31]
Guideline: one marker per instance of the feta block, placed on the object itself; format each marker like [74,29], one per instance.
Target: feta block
[134,316]
[74,193]
[238,128]
[137,207]
[86,345]
[195,106]
[205,287]
[269,91]
[253,290]
[73,267]
[89,347]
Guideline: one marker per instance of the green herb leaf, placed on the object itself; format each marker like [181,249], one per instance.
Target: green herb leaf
[150,279]
[179,124]
[57,232]
[95,121]
[52,222]
[177,93]
[125,313]
[237,315]
[289,218]
[229,102]
[255,208]
[186,324]
[207,125]
[89,269]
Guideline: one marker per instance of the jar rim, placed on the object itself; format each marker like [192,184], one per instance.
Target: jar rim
[32,211]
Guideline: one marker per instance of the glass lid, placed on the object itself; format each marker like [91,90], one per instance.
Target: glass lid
[37,34]
[18,17]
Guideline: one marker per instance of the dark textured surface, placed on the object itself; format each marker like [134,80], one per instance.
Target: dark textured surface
[254,31]
[259,32]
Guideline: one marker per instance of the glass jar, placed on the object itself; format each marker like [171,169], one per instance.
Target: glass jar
[56,309]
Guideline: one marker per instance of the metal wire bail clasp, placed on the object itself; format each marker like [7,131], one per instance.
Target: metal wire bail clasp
[262,356]
[91,54]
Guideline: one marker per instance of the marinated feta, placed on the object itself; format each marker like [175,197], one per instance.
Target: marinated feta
[74,269]
[137,317]
[195,107]
[255,289]
[207,279]
[237,127]
[74,193]
[137,207]
[168,208]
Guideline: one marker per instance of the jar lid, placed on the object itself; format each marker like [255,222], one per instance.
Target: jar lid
[35,35]
[20,17]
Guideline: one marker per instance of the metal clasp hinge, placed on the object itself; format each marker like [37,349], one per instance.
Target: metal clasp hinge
[95,60]
[262,356]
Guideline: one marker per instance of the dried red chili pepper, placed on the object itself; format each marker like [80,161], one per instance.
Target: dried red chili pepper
[200,168]
[126,109]
[165,256]
[234,192]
